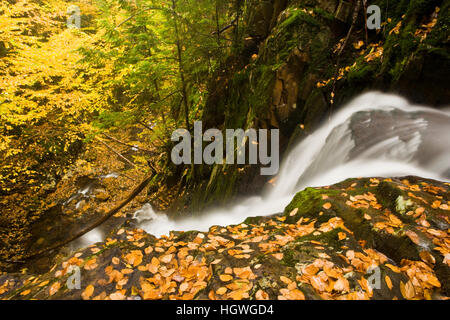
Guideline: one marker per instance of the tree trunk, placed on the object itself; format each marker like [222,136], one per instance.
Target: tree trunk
[180,66]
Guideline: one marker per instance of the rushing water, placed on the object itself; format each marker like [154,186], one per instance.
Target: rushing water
[376,134]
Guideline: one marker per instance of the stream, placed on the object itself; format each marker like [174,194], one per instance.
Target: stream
[375,135]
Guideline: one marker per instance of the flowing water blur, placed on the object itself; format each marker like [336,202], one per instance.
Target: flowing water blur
[376,134]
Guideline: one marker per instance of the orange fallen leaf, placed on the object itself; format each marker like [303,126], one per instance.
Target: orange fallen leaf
[427,257]
[407,290]
[87,293]
[54,288]
[327,206]
[148,250]
[43,283]
[420,210]
[166,258]
[388,282]
[24,293]
[225,277]
[118,295]
[221,290]
[286,280]
[91,264]
[393,268]
[278,256]
[134,258]
[413,236]
[261,295]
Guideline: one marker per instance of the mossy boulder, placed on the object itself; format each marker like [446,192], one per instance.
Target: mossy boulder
[368,238]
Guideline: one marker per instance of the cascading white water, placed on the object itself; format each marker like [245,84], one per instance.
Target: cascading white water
[376,134]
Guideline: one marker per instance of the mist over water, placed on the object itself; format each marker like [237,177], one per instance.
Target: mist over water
[376,134]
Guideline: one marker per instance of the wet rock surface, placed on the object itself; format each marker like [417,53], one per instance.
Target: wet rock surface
[368,238]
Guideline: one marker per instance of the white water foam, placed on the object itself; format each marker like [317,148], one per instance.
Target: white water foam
[376,134]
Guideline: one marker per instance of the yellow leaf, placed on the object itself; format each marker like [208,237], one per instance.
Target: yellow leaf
[54,288]
[407,290]
[43,283]
[393,268]
[388,282]
[24,293]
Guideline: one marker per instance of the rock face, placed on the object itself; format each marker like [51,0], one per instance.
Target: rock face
[360,239]
[284,76]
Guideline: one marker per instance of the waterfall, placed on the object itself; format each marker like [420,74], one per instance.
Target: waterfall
[376,134]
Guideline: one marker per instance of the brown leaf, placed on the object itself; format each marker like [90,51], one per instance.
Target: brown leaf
[427,257]
[413,236]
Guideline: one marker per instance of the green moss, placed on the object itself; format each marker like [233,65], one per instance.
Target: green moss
[363,72]
[387,195]
[441,30]
[402,205]
[309,203]
[306,201]
[330,238]
[324,14]
[297,17]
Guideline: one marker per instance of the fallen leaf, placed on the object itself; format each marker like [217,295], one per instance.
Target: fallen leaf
[413,236]
[293,212]
[225,277]
[427,257]
[54,288]
[327,206]
[407,290]
[24,293]
[278,256]
[87,293]
[261,295]
[221,290]
[388,282]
